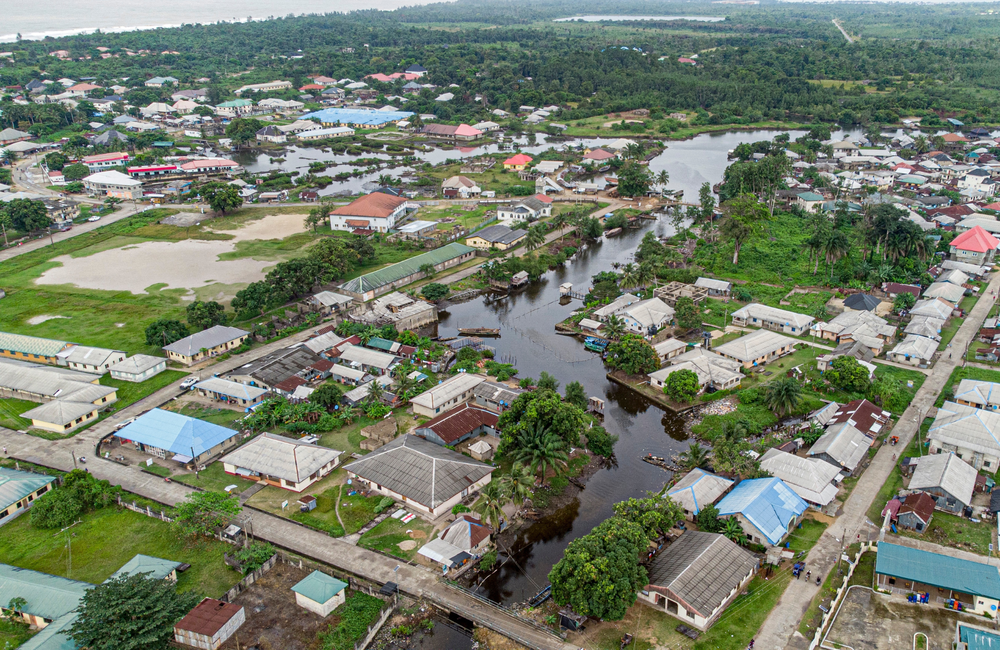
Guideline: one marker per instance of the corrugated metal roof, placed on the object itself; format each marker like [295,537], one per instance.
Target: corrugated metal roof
[30,344]
[175,433]
[282,457]
[157,568]
[54,636]
[978,392]
[137,364]
[810,478]
[419,470]
[15,485]
[208,617]
[947,472]
[319,587]
[448,390]
[754,345]
[844,444]
[773,314]
[976,639]
[458,422]
[230,388]
[388,275]
[967,427]
[698,489]
[936,570]
[367,357]
[767,503]
[47,595]
[60,412]
[701,569]
[207,339]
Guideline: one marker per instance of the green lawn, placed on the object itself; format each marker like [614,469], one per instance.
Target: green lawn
[955,532]
[13,633]
[948,331]
[131,392]
[387,535]
[889,489]
[10,413]
[322,517]
[107,539]
[356,511]
[741,620]
[864,573]
[214,478]
[806,534]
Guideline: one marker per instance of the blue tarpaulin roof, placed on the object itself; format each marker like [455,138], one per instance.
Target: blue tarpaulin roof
[357,116]
[936,570]
[175,433]
[767,503]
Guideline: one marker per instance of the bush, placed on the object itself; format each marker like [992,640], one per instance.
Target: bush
[360,611]
[489,560]
[459,509]
[384,503]
[254,556]
[435,291]
[601,442]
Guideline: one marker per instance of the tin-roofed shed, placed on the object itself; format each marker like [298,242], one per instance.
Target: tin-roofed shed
[905,570]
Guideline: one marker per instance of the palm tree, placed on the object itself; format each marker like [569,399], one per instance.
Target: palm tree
[732,530]
[490,504]
[628,279]
[645,274]
[695,456]
[783,395]
[921,144]
[663,177]
[541,450]
[367,333]
[535,238]
[519,484]
[560,221]
[633,150]
[837,246]
[375,392]
[614,327]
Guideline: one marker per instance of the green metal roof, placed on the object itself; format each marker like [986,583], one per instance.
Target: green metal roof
[54,636]
[158,568]
[393,273]
[937,570]
[48,596]
[30,344]
[235,103]
[319,587]
[15,485]
[976,639]
[380,343]
[810,196]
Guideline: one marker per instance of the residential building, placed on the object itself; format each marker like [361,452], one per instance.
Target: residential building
[772,318]
[451,392]
[517,162]
[527,210]
[970,433]
[428,478]
[926,326]
[160,82]
[861,352]
[459,424]
[757,348]
[403,311]
[714,371]
[272,135]
[155,568]
[615,307]
[945,290]
[51,603]
[978,394]
[210,624]
[915,512]
[272,371]
[933,307]
[905,570]
[766,508]
[373,362]
[87,359]
[320,593]
[669,349]
[19,489]
[173,436]
[974,246]
[697,577]
[384,280]
[914,350]
[209,166]
[647,317]
[282,462]
[69,399]
[843,446]
[810,478]
[495,396]
[208,343]
[862,302]
[460,187]
[716,288]
[329,302]
[268,87]
[499,237]
[113,184]
[235,108]
[893,289]
[697,490]
[862,326]
[138,368]
[230,392]
[102,161]
[809,201]
[30,348]
[864,416]
[360,394]
[376,211]
[460,133]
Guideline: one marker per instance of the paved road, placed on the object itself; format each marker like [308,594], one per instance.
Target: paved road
[780,630]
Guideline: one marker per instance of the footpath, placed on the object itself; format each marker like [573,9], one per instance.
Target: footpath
[780,630]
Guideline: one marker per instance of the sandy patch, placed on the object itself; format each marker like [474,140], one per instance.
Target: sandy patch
[177,265]
[38,320]
[276,226]
[417,534]
[407,545]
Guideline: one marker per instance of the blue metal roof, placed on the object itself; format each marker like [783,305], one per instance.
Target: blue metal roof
[357,116]
[175,433]
[976,639]
[954,122]
[936,570]
[767,503]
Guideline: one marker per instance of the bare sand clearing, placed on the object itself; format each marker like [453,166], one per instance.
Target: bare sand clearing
[188,264]
[276,226]
[407,545]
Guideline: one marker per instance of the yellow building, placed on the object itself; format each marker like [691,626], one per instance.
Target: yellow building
[30,348]
[499,237]
[205,344]
[518,162]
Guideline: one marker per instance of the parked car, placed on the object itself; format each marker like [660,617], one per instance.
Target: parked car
[96,217]
[189,383]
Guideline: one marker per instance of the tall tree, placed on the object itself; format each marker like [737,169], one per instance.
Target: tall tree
[164,332]
[745,218]
[201,513]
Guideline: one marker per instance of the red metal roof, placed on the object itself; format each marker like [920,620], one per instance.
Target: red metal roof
[460,421]
[976,240]
[863,416]
[376,205]
[208,617]
[599,154]
[920,504]
[164,168]
[519,159]
[290,384]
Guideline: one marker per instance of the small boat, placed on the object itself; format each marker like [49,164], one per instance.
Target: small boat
[595,344]
[614,232]
[479,331]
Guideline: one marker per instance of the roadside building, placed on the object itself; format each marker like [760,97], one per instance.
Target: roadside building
[843,446]
[206,344]
[948,479]
[499,237]
[916,512]
[766,508]
[810,478]
[83,358]
[526,210]
[103,161]
[697,577]
[320,593]
[716,288]
[210,624]
[173,436]
[975,246]
[978,394]
[905,570]
[282,462]
[968,432]
[374,284]
[772,318]
[757,348]
[426,477]
[697,490]
[272,371]
[19,489]
[51,602]
[914,350]
[138,368]
[230,392]
[458,424]
[934,308]
[948,291]
[31,348]
[377,211]
[113,184]
[864,416]
[448,394]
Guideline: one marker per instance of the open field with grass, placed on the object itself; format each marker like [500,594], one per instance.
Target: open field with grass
[214,478]
[13,633]
[389,534]
[222,417]
[130,392]
[94,559]
[10,413]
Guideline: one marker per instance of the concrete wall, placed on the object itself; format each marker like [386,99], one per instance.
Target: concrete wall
[323,609]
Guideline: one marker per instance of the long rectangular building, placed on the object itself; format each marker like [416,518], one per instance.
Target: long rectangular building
[376,283]
[358,118]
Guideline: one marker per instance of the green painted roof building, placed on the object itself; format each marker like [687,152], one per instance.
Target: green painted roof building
[156,567]
[48,596]
[19,346]
[942,571]
[16,485]
[319,587]
[396,275]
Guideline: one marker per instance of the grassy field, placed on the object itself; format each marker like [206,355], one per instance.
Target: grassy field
[958,374]
[806,534]
[13,634]
[131,392]
[220,416]
[10,413]
[387,536]
[948,331]
[107,539]
[955,532]
[214,478]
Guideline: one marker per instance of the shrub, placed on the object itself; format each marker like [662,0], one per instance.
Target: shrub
[601,442]
[254,556]
[459,509]
[489,560]
[384,503]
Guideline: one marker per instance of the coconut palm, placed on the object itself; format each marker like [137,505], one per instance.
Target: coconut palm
[732,530]
[367,333]
[921,144]
[535,238]
[783,395]
[541,450]
[695,456]
[375,392]
[663,177]
[490,504]
[645,274]
[614,327]
[519,484]
[837,245]
[628,279]
[560,221]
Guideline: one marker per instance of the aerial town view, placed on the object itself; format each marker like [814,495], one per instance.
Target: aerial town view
[489,326]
